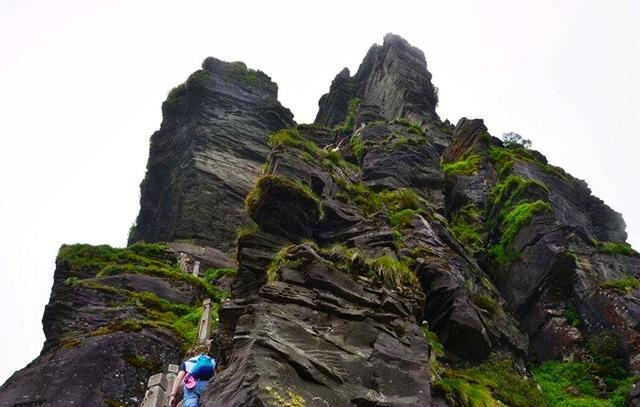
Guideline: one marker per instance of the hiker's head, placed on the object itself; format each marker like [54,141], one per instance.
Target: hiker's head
[198,349]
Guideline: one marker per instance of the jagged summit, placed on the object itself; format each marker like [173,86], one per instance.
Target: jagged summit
[392,76]
[378,257]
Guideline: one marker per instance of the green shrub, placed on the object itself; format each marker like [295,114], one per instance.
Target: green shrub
[436,351]
[624,249]
[622,285]
[466,166]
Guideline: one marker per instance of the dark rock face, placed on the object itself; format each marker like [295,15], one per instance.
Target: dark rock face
[374,230]
[94,337]
[319,337]
[393,77]
[207,155]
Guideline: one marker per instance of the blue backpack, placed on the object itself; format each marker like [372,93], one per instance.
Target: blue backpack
[204,368]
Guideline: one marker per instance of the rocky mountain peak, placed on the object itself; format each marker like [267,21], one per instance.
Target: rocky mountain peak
[392,76]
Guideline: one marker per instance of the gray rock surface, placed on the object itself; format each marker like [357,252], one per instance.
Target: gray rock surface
[207,155]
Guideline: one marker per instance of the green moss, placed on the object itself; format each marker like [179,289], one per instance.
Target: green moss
[347,126]
[624,249]
[436,351]
[113,403]
[468,227]
[357,146]
[123,325]
[486,303]
[293,138]
[392,272]
[493,383]
[386,270]
[213,275]
[277,181]
[521,215]
[465,166]
[246,230]
[393,201]
[281,260]
[572,316]
[510,190]
[401,219]
[576,384]
[140,362]
[622,285]
[176,96]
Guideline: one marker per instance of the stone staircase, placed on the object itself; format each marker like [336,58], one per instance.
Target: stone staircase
[159,385]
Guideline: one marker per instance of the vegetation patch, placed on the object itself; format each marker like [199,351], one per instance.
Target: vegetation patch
[572,316]
[624,249]
[468,227]
[579,384]
[393,201]
[494,383]
[401,219]
[622,285]
[293,138]
[347,126]
[521,215]
[466,166]
[386,270]
[412,127]
[357,146]
[271,182]
[213,275]
[486,302]
[141,362]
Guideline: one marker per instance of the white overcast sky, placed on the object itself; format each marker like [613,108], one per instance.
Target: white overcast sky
[81,84]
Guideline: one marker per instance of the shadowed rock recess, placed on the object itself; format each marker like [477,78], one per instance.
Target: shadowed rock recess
[378,257]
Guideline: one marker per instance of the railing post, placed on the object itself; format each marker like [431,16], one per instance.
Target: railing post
[196,269]
[204,326]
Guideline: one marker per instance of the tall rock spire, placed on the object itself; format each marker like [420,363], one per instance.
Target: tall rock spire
[393,77]
[207,154]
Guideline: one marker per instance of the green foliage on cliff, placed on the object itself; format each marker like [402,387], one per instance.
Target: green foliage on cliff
[521,215]
[386,270]
[347,126]
[412,127]
[465,166]
[356,145]
[467,226]
[494,383]
[622,285]
[624,249]
[393,201]
[93,264]
[576,384]
[293,138]
[270,181]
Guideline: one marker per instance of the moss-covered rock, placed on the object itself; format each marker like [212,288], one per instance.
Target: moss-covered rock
[283,207]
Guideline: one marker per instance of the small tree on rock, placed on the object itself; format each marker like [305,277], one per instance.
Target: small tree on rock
[514,140]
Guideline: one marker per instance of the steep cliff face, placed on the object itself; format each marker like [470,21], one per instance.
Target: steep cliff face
[207,155]
[383,257]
